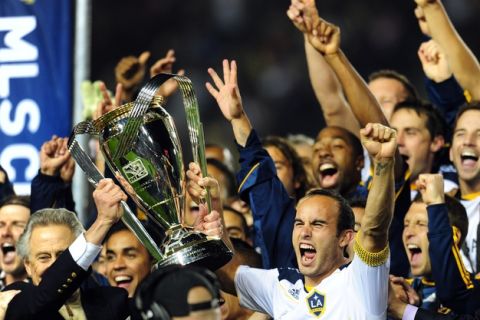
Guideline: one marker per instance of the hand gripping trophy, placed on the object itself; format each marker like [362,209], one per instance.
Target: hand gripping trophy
[140,144]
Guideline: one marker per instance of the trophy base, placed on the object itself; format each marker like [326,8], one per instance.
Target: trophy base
[187,247]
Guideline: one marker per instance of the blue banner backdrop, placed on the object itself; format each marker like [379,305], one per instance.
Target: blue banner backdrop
[35,82]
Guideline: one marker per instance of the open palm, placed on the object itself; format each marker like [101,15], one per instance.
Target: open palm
[226,91]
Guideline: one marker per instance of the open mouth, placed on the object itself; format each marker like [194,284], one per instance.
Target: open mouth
[8,251]
[123,281]
[415,253]
[328,175]
[307,253]
[469,158]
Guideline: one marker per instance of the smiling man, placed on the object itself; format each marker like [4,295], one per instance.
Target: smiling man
[323,228]
[128,261]
[464,153]
[420,137]
[338,161]
[57,253]
[14,215]
[416,242]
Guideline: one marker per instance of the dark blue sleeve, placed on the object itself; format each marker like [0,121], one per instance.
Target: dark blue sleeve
[423,314]
[447,96]
[399,265]
[273,210]
[50,192]
[6,188]
[454,285]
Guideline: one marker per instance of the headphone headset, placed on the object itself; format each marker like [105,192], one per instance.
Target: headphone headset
[150,308]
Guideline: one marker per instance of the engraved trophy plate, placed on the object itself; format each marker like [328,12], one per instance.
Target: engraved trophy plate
[139,141]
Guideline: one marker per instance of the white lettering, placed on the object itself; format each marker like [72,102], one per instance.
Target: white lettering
[26,107]
[12,71]
[20,151]
[18,49]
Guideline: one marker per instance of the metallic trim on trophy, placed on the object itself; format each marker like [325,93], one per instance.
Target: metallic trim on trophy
[141,146]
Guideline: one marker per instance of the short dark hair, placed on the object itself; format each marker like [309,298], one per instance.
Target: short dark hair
[412,93]
[435,123]
[357,202]
[457,215]
[241,216]
[473,105]
[13,199]
[246,254]
[152,231]
[353,140]
[346,218]
[299,173]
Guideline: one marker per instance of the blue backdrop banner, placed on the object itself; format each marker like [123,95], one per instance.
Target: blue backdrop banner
[35,82]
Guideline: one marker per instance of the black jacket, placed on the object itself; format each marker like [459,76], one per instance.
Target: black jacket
[58,283]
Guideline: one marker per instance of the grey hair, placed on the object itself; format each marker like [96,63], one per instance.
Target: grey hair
[46,217]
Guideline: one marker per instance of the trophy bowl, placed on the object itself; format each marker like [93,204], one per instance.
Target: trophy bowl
[141,146]
[153,174]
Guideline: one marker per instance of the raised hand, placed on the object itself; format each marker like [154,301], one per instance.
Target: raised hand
[107,197]
[107,104]
[303,14]
[325,37]
[431,188]
[422,22]
[226,91]
[165,65]
[68,168]
[53,156]
[130,70]
[379,140]
[434,61]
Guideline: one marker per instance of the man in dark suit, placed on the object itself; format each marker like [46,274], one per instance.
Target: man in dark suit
[58,253]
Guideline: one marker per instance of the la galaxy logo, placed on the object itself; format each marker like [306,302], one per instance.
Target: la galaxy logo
[316,303]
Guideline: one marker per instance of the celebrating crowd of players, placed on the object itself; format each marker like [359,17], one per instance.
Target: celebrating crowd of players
[377,217]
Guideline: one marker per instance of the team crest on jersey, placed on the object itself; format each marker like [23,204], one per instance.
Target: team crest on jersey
[316,303]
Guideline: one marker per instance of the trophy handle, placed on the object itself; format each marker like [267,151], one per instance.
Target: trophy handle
[195,127]
[94,176]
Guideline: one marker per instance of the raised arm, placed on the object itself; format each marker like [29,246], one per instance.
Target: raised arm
[454,287]
[380,142]
[325,37]
[227,94]
[129,72]
[442,87]
[326,86]
[51,187]
[464,64]
[165,65]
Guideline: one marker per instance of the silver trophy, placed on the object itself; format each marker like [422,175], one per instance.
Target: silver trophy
[140,144]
